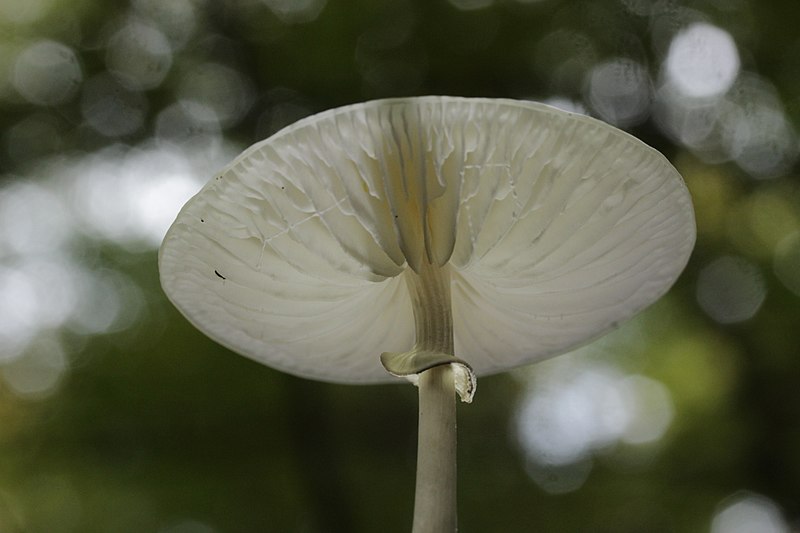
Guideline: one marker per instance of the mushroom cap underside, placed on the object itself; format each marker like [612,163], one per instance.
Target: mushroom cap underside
[556,227]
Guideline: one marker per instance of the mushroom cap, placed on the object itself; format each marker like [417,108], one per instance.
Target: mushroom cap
[556,227]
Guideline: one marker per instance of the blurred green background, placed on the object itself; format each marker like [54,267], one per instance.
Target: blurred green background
[117,416]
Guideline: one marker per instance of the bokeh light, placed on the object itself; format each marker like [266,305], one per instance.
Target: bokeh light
[47,73]
[121,195]
[731,289]
[746,124]
[139,55]
[20,12]
[18,312]
[37,372]
[566,104]
[702,61]
[187,124]
[33,220]
[223,90]
[584,405]
[296,11]
[177,19]
[112,109]
[564,422]
[755,131]
[563,419]
[650,409]
[132,196]
[787,262]
[619,92]
[749,513]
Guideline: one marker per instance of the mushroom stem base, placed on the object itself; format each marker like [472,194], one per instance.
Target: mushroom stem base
[435,500]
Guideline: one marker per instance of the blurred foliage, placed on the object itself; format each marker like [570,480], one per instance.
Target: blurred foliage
[116,415]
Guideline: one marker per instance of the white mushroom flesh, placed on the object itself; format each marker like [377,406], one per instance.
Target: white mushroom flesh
[554,228]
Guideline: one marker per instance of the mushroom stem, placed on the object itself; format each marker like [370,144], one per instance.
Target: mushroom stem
[435,497]
[433,315]
[439,375]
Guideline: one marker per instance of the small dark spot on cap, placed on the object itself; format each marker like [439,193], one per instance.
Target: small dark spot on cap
[219,275]
[202,220]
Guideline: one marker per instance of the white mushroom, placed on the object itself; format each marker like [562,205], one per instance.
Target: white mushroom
[501,232]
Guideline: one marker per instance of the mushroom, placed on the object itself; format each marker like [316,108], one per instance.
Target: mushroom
[433,238]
